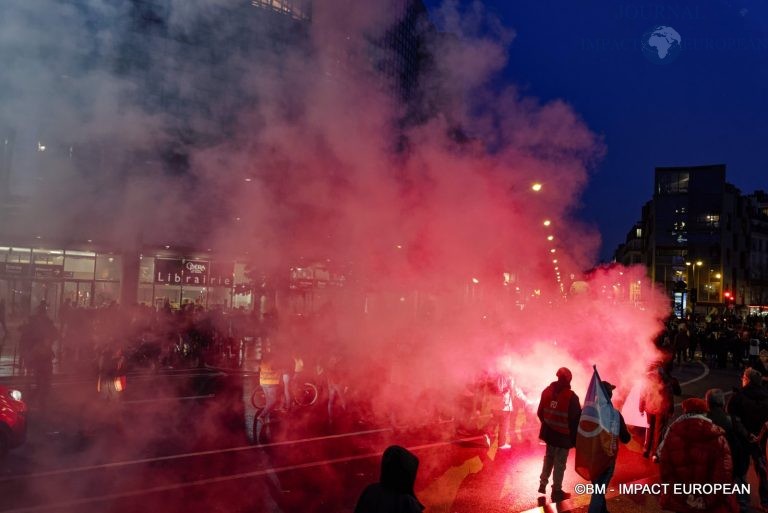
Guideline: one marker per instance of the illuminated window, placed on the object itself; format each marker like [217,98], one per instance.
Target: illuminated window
[298,9]
[709,220]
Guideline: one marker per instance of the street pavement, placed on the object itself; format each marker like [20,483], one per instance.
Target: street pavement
[181,440]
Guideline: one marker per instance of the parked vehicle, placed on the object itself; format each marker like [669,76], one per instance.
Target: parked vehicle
[13,420]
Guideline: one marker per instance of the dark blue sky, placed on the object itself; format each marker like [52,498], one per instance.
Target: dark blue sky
[709,105]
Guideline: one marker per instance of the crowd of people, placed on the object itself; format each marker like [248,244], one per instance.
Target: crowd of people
[714,440]
[717,340]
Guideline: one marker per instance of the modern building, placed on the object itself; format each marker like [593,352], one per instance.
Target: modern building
[701,240]
[188,78]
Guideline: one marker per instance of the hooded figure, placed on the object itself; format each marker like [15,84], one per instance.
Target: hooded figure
[394,491]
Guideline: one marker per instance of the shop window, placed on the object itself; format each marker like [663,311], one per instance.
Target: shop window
[194,295]
[105,293]
[145,295]
[48,257]
[19,255]
[146,269]
[4,254]
[108,267]
[219,296]
[79,267]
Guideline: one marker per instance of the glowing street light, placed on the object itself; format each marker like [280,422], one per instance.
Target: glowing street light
[547,222]
[536,187]
[550,237]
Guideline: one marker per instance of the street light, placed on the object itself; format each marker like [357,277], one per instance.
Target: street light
[699,263]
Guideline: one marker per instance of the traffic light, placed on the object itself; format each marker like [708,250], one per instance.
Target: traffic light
[728,296]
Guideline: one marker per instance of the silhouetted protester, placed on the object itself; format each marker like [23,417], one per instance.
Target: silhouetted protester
[738,440]
[335,374]
[110,386]
[761,365]
[597,502]
[658,403]
[681,342]
[112,378]
[269,380]
[749,405]
[394,491]
[503,390]
[695,451]
[559,412]
[41,333]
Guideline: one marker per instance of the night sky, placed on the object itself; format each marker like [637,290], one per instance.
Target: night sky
[705,104]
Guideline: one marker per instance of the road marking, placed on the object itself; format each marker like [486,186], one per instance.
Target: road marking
[126,463]
[697,378]
[221,479]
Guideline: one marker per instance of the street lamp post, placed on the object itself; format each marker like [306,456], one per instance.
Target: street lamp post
[699,263]
[695,266]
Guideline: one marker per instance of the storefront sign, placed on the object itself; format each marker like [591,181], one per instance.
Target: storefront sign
[48,271]
[15,269]
[195,272]
[168,271]
[222,274]
[181,272]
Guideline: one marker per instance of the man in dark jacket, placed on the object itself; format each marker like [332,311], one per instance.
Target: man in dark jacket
[749,405]
[559,412]
[394,491]
[737,437]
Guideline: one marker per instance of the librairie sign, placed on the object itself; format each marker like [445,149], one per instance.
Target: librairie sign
[192,272]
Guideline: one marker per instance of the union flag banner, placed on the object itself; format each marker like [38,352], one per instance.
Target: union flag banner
[597,437]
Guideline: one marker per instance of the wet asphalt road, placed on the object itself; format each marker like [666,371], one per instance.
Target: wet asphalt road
[180,441]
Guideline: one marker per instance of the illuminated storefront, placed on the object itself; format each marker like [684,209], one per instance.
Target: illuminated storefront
[191,280]
[89,279]
[28,276]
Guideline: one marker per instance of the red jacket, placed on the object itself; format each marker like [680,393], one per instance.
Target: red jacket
[695,450]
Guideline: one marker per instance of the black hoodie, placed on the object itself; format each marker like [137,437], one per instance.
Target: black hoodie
[394,491]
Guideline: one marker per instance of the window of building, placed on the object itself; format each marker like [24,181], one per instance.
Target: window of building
[79,266]
[108,267]
[146,269]
[106,293]
[298,9]
[672,182]
[48,257]
[709,220]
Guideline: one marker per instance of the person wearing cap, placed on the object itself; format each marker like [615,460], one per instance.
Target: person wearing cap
[559,411]
[695,450]
[597,501]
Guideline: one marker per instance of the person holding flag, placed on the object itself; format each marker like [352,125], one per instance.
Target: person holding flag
[600,428]
[559,412]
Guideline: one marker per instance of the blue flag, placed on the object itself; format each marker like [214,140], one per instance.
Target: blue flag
[597,438]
